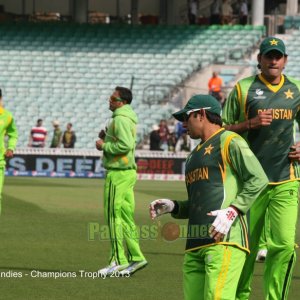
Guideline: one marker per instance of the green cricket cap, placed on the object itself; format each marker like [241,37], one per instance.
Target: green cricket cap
[270,44]
[196,103]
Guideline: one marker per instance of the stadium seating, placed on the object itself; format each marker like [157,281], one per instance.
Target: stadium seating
[293,45]
[67,71]
[291,22]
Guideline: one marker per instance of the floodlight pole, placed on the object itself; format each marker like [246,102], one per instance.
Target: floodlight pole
[118,9]
[23,7]
[134,12]
[258,8]
[292,7]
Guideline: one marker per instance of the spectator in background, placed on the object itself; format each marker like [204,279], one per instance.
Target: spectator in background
[183,143]
[7,128]
[164,135]
[215,12]
[193,11]
[38,135]
[226,12]
[155,139]
[57,134]
[172,142]
[69,137]
[215,86]
[243,12]
[179,130]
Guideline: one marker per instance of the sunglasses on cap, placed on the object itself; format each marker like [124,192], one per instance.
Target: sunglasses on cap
[113,98]
[196,109]
[188,113]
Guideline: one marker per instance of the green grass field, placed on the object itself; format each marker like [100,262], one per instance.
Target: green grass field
[44,227]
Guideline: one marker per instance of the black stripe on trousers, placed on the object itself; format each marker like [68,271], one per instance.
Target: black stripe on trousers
[287,275]
[109,220]
[116,251]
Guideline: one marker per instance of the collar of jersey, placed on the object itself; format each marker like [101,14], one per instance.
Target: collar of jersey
[200,145]
[273,88]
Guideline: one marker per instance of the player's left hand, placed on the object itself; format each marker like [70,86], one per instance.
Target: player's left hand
[99,144]
[294,154]
[223,221]
[9,153]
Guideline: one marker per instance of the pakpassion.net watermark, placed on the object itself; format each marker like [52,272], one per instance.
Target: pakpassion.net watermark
[169,231]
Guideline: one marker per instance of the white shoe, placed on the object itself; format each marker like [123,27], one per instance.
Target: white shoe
[261,255]
[112,268]
[104,271]
[134,266]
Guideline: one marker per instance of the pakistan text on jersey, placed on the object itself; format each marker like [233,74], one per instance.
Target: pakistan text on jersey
[196,175]
[280,113]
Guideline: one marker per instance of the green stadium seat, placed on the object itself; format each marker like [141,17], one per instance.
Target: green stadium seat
[64,66]
[288,22]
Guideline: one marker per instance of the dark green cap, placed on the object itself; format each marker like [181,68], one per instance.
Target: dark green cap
[272,43]
[196,103]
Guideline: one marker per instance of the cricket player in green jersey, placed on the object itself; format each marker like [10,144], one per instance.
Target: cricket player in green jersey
[223,178]
[264,108]
[7,128]
[118,145]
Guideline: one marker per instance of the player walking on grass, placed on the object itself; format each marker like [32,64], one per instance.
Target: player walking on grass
[223,178]
[118,147]
[263,108]
[7,128]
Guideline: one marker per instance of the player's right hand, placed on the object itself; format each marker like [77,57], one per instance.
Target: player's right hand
[294,154]
[159,207]
[99,144]
[263,118]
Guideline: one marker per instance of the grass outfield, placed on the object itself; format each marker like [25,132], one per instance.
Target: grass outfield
[44,227]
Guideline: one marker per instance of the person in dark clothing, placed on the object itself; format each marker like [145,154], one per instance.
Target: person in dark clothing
[69,137]
[155,139]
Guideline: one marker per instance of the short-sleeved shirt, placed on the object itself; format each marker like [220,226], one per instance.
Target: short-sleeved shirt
[271,144]
[38,134]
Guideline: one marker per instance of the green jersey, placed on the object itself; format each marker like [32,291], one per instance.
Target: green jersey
[120,140]
[271,144]
[7,128]
[57,133]
[221,172]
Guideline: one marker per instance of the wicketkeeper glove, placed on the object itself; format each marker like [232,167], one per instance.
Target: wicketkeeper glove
[159,207]
[224,219]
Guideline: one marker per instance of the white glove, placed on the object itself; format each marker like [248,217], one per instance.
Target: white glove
[223,221]
[159,207]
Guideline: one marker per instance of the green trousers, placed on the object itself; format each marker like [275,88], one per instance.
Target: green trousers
[212,273]
[265,234]
[2,173]
[282,204]
[119,214]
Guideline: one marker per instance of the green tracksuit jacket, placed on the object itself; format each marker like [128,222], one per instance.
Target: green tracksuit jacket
[120,141]
[7,127]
